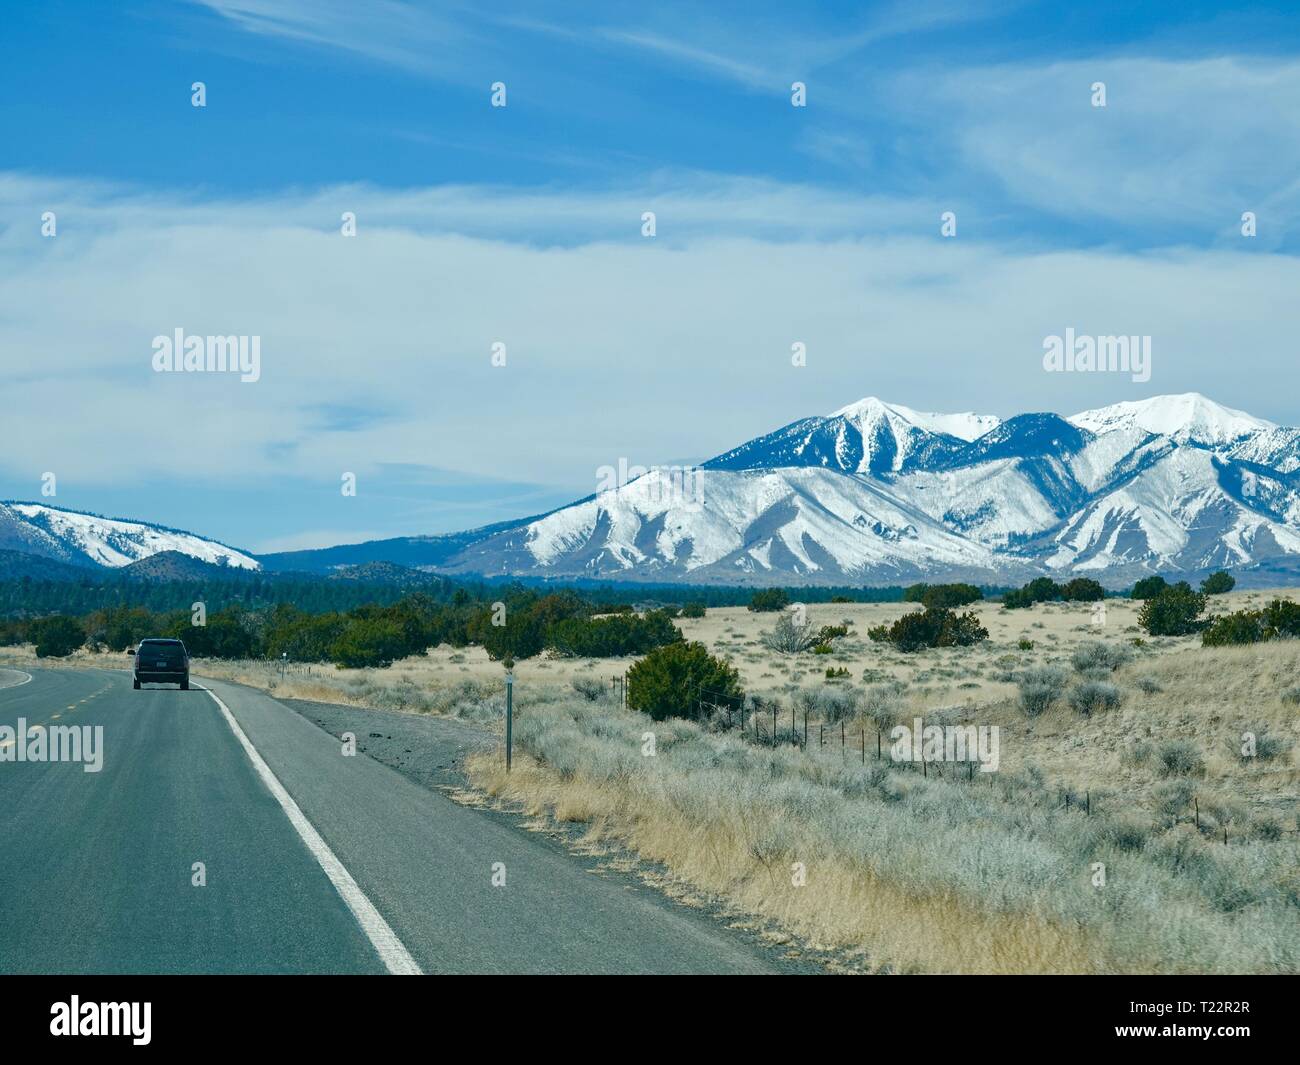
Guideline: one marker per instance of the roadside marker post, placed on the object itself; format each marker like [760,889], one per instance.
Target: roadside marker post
[510,713]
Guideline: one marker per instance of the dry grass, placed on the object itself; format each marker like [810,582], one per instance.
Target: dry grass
[871,922]
[942,875]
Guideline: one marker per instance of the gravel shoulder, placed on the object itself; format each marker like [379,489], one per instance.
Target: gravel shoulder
[430,751]
[427,750]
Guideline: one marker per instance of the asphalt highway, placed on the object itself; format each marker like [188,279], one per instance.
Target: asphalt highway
[311,861]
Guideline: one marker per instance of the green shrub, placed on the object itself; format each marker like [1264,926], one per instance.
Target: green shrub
[1218,583]
[1174,612]
[940,596]
[935,628]
[1280,619]
[1046,590]
[1082,590]
[1148,588]
[1241,627]
[612,637]
[1024,644]
[369,642]
[694,609]
[56,636]
[671,681]
[767,600]
[522,635]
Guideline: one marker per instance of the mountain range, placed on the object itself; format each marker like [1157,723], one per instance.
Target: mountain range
[874,493]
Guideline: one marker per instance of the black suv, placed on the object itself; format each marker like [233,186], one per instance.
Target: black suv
[164,661]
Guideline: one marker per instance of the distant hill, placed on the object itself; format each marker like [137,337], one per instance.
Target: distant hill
[388,573]
[81,538]
[177,566]
[408,551]
[16,565]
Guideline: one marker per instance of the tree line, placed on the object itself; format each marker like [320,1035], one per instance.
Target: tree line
[520,624]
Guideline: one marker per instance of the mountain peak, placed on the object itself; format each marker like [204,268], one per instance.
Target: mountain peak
[964,426]
[1186,416]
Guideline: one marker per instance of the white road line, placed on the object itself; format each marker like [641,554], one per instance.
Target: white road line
[20,683]
[391,950]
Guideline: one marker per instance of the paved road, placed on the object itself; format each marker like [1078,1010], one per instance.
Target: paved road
[96,868]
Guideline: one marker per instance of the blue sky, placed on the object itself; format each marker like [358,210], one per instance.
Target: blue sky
[522,225]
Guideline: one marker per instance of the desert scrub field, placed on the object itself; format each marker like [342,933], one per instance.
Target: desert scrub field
[932,873]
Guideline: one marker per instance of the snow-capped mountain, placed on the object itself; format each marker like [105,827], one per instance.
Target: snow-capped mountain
[869,436]
[874,492]
[87,539]
[1186,418]
[878,492]
[733,525]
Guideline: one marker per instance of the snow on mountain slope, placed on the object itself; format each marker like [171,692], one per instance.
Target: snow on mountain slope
[966,426]
[1174,515]
[1277,448]
[869,436]
[1186,418]
[1173,483]
[71,536]
[994,503]
[796,522]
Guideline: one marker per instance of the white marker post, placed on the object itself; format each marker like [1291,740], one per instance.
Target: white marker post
[510,707]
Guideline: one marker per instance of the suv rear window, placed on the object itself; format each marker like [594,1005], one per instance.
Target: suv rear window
[163,645]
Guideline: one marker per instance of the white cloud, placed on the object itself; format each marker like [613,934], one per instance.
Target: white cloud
[622,347]
[1192,142]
